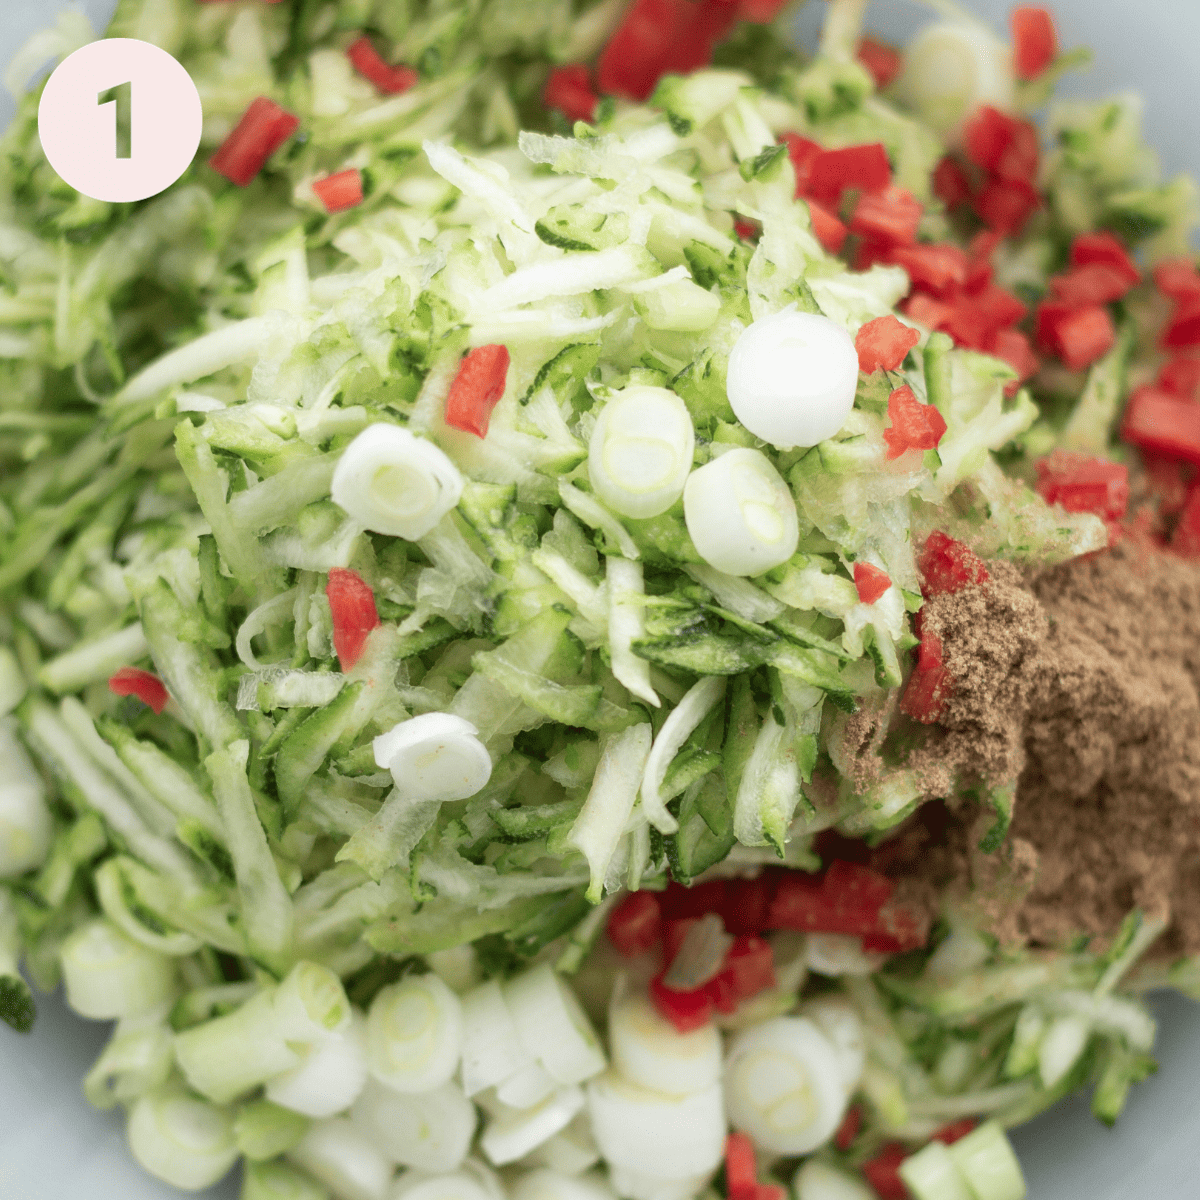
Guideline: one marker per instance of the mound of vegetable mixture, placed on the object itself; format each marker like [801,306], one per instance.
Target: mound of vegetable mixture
[465,552]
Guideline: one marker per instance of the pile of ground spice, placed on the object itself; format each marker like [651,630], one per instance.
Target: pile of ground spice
[1082,685]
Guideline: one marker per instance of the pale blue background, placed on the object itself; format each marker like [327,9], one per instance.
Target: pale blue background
[53,1146]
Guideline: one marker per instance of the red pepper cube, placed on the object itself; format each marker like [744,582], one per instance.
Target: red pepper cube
[741,1179]
[750,964]
[477,389]
[914,426]
[635,925]
[1181,376]
[1092,283]
[1169,479]
[1035,40]
[955,1132]
[1013,347]
[685,1010]
[1081,483]
[883,1172]
[1178,278]
[991,134]
[848,1129]
[870,582]
[863,168]
[569,89]
[927,692]
[341,191]
[855,886]
[883,61]
[1183,330]
[883,344]
[898,928]
[1159,421]
[926,310]
[760,12]
[802,153]
[388,78]
[1185,540]
[948,566]
[827,229]
[1106,250]
[702,26]
[941,269]
[147,687]
[950,183]
[263,128]
[770,1191]
[745,903]
[352,605]
[637,54]
[722,991]
[674,930]
[696,901]
[984,245]
[1005,206]
[799,904]
[891,216]
[1084,336]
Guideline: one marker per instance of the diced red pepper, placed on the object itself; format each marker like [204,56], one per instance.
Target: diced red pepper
[477,389]
[263,128]
[1035,40]
[802,153]
[930,685]
[948,566]
[1169,480]
[1181,375]
[352,605]
[695,901]
[147,687]
[1107,250]
[847,899]
[760,12]
[864,168]
[750,965]
[883,344]
[741,1179]
[870,582]
[1078,336]
[744,904]
[854,885]
[891,216]
[746,230]
[848,1129]
[941,269]
[1183,331]
[1002,145]
[1185,540]
[685,1010]
[1006,206]
[340,191]
[1081,483]
[950,183]
[1013,347]
[984,244]
[899,929]
[722,992]
[955,1131]
[828,229]
[388,78]
[914,426]
[1160,421]
[974,320]
[930,312]
[980,273]
[635,925]
[883,61]
[883,1172]
[674,930]
[569,89]
[1178,278]
[638,52]
[1094,283]
[770,1191]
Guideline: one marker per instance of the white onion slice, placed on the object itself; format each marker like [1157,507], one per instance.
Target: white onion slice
[434,756]
[553,1185]
[456,1185]
[430,1131]
[837,1019]
[329,1079]
[183,1141]
[108,975]
[792,378]
[529,1086]
[784,1085]
[819,1181]
[414,1034]
[648,1050]
[492,1051]
[570,1151]
[552,1025]
[343,1158]
[513,1133]
[637,1185]
[392,482]
[640,451]
[740,514]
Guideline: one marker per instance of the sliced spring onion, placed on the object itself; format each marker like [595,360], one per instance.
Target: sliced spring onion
[570,1151]
[434,756]
[648,1050]
[183,1141]
[107,974]
[264,1130]
[835,954]
[553,1185]
[330,1077]
[491,1051]
[414,1034]
[457,1185]
[837,1019]
[1061,1046]
[740,515]
[784,1085]
[817,1180]
[430,1131]
[392,482]
[12,682]
[646,1132]
[343,1158]
[640,451]
[25,824]
[792,378]
[931,1174]
[310,1004]
[137,1059]
[280,1181]
[512,1133]
[987,1161]
[528,1087]
[552,1025]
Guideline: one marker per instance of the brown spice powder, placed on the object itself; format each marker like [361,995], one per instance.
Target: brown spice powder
[1084,685]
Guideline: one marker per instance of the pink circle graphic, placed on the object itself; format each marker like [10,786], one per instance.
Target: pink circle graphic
[120,120]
